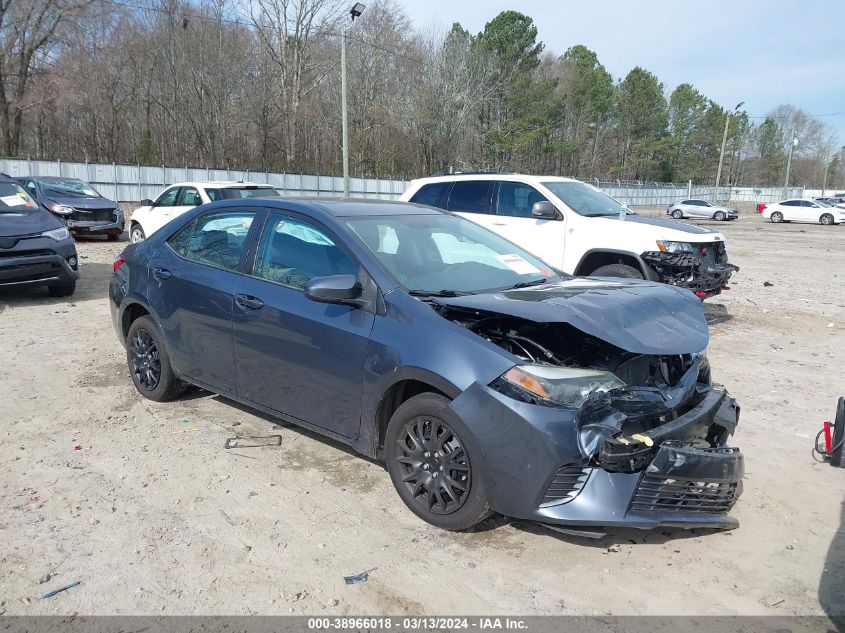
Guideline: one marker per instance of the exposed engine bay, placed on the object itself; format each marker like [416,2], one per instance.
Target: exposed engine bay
[620,429]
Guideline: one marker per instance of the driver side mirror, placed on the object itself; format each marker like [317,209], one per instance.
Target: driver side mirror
[343,289]
[545,210]
[146,202]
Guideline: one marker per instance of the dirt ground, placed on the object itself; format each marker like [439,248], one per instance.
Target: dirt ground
[153,516]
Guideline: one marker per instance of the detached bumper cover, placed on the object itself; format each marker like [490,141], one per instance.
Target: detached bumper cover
[540,469]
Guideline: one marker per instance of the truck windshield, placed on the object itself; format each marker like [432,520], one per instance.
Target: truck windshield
[585,200]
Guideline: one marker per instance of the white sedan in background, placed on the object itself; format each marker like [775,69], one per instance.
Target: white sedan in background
[184,196]
[797,210]
[700,209]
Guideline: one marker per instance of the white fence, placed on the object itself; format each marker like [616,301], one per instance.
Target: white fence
[132,183]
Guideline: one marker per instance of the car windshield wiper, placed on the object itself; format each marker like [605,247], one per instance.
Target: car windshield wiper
[438,293]
[526,284]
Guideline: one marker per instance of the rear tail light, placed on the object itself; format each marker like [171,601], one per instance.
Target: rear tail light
[700,294]
[120,261]
[760,207]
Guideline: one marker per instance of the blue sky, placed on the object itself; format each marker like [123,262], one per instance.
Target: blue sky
[762,52]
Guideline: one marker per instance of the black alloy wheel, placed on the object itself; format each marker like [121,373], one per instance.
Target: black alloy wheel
[436,473]
[146,360]
[435,465]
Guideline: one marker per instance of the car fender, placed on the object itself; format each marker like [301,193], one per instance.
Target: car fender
[644,268]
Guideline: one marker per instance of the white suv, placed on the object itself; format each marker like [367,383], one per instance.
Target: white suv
[184,196]
[581,230]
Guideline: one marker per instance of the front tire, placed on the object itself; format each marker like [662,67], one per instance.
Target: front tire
[149,364]
[720,216]
[435,473]
[777,217]
[617,270]
[826,219]
[136,234]
[678,214]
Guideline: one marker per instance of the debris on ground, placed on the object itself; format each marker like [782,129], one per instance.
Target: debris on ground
[50,594]
[253,441]
[772,601]
[768,284]
[612,549]
[78,447]
[358,578]
[44,578]
[191,430]
[227,517]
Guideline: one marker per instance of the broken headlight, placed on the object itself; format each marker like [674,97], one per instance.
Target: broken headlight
[554,386]
[674,247]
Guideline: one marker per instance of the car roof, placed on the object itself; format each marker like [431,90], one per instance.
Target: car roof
[51,178]
[221,184]
[360,207]
[529,178]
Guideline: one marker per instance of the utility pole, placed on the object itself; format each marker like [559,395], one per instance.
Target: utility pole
[792,143]
[357,9]
[722,153]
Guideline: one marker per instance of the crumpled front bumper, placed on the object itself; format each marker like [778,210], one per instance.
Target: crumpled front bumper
[687,270]
[537,466]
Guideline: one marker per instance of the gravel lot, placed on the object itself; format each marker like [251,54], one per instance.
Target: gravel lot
[153,516]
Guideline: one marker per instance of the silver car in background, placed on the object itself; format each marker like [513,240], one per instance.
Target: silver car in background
[700,209]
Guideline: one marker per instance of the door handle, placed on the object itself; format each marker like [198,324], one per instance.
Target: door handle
[162,273]
[248,301]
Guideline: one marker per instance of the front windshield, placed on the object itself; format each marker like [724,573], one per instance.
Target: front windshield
[69,188]
[445,254]
[823,203]
[13,199]
[585,200]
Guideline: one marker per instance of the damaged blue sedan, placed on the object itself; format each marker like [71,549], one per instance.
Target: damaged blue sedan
[486,380]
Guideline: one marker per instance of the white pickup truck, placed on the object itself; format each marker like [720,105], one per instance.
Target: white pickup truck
[581,230]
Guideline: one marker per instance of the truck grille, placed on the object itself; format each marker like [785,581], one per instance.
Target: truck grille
[660,494]
[567,483]
[711,253]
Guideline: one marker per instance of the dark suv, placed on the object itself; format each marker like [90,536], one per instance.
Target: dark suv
[77,204]
[35,248]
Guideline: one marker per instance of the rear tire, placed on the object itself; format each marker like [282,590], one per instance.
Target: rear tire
[149,364]
[62,290]
[826,219]
[136,233]
[777,217]
[434,471]
[720,216]
[617,270]
[678,214]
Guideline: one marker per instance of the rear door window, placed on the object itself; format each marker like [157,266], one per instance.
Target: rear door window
[434,194]
[471,196]
[219,239]
[188,197]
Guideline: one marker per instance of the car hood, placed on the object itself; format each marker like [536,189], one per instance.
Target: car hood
[13,224]
[641,317]
[82,203]
[663,229]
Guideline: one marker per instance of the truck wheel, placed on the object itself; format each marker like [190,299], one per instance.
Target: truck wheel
[678,214]
[62,290]
[136,233]
[617,270]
